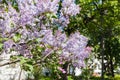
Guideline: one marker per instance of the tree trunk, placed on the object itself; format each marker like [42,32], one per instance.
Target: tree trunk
[112,66]
[102,41]
[102,55]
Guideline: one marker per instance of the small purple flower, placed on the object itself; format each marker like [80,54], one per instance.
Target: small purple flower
[8,45]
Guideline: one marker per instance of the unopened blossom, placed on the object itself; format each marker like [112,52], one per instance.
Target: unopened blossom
[62,70]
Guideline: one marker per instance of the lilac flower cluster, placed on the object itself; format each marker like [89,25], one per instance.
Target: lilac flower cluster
[69,8]
[71,49]
[32,11]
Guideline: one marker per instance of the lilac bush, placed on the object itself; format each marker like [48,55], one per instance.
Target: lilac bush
[43,21]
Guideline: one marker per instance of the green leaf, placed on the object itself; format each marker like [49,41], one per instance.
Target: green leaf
[17,37]
[29,67]
[22,60]
[1,45]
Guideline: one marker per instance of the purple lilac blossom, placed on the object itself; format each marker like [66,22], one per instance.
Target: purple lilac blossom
[75,49]
[8,45]
[48,6]
[48,37]
[69,8]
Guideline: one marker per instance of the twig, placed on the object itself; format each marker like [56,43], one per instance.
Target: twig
[12,62]
[8,63]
